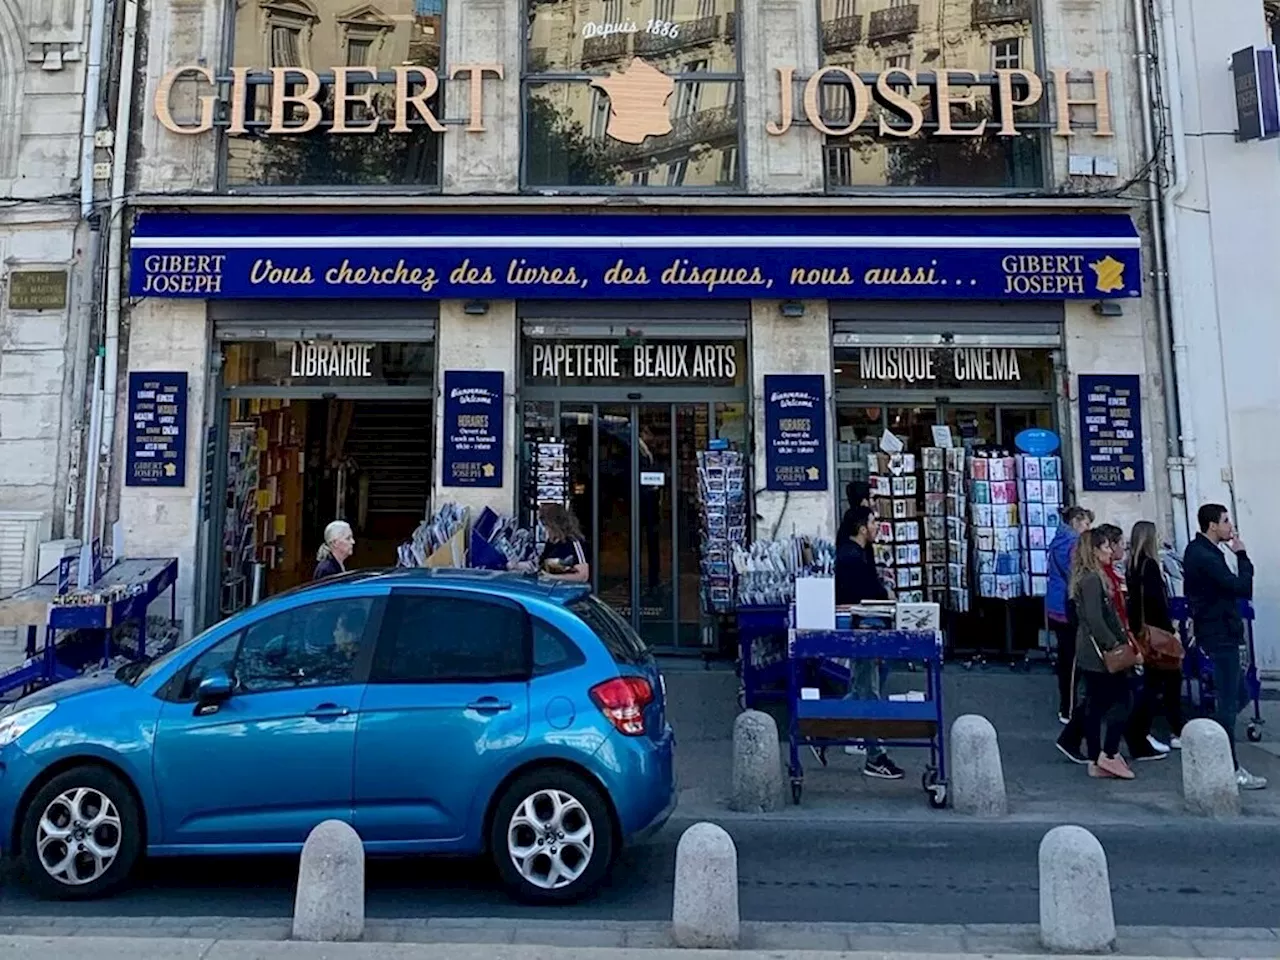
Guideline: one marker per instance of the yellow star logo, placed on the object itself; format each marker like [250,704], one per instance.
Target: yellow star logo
[1110,274]
[170,470]
[487,469]
[1127,473]
[813,473]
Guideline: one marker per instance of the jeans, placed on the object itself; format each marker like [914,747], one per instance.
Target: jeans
[867,681]
[1229,692]
[1106,704]
[1161,695]
[1066,634]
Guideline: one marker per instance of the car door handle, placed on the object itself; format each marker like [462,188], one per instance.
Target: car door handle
[328,711]
[489,705]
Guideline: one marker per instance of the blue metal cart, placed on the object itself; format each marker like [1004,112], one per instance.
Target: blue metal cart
[1197,667]
[824,723]
[33,606]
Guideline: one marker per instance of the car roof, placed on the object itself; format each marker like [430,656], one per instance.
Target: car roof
[499,582]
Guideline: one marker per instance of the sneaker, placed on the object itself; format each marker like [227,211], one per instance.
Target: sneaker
[1075,756]
[882,768]
[1175,743]
[1156,745]
[819,754]
[854,750]
[1097,772]
[1116,767]
[1146,753]
[1063,719]
[1247,781]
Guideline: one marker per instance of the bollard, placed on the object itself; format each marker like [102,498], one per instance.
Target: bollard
[1076,914]
[977,776]
[329,905]
[757,764]
[704,910]
[1208,774]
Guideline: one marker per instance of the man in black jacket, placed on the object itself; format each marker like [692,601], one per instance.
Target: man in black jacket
[1213,597]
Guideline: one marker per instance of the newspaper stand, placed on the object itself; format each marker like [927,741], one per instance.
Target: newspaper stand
[1197,666]
[824,723]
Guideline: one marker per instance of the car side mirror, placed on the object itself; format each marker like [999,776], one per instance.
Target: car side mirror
[214,690]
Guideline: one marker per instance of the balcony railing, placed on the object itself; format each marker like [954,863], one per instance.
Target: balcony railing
[893,22]
[705,126]
[842,34]
[692,33]
[986,12]
[602,49]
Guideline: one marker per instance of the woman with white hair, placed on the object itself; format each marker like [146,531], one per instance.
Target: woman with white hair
[339,542]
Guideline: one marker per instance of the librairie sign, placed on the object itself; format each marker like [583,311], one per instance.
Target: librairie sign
[331,359]
[615,256]
[342,101]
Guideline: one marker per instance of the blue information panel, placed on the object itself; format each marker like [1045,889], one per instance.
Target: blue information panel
[634,256]
[1111,432]
[795,432]
[156,445]
[473,414]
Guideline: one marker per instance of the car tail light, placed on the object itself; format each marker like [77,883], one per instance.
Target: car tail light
[623,700]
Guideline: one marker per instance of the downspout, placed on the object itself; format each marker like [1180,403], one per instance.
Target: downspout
[1177,138]
[1156,218]
[92,96]
[115,235]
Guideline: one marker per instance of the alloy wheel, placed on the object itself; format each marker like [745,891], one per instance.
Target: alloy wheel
[551,839]
[78,836]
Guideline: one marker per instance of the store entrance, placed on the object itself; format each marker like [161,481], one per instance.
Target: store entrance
[633,485]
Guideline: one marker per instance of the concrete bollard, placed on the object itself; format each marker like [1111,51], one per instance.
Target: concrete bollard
[704,911]
[757,764]
[1076,914]
[329,905]
[977,776]
[1208,774]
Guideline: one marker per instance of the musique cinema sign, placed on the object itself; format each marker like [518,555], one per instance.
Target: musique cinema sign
[298,99]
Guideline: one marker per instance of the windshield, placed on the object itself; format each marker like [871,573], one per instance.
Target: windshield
[139,671]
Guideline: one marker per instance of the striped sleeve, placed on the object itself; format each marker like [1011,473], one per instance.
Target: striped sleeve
[577,549]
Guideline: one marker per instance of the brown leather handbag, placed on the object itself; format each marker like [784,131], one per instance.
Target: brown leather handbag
[1161,648]
[1119,659]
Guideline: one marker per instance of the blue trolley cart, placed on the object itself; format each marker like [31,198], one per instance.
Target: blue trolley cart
[1197,667]
[824,723]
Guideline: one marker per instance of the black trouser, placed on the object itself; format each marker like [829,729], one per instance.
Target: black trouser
[1161,696]
[1228,691]
[1106,703]
[1066,634]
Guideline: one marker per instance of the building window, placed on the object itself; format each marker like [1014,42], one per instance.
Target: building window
[321,35]
[877,35]
[604,108]
[1006,54]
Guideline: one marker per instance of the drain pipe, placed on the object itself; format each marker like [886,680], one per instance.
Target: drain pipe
[1167,39]
[92,96]
[115,237]
[1156,218]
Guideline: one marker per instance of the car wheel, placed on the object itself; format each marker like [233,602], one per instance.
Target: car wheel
[81,835]
[552,837]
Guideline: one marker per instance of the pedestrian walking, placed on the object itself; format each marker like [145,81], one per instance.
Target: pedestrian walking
[1148,609]
[1057,604]
[1104,655]
[1213,597]
[339,544]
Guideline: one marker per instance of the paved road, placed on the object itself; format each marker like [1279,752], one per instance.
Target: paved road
[1208,875]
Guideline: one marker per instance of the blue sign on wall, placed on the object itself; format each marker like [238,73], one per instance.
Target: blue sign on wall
[795,432]
[634,256]
[156,445]
[1111,433]
[473,420]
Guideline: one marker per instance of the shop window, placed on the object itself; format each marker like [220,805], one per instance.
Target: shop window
[614,91]
[429,638]
[873,36]
[321,35]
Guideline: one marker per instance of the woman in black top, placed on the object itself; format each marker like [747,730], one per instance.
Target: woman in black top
[1148,603]
[565,555]
[339,543]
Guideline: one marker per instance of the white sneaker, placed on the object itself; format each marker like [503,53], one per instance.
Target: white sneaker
[1247,781]
[1156,745]
[853,750]
[1175,743]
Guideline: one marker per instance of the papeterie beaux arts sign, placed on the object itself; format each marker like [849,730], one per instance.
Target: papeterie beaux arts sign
[302,101]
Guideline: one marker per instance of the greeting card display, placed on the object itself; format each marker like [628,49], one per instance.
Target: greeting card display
[722,503]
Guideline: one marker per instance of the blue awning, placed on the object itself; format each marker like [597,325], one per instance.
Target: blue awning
[649,256]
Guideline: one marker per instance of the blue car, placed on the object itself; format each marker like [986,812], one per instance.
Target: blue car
[453,711]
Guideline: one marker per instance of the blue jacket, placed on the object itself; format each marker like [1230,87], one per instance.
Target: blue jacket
[1055,598]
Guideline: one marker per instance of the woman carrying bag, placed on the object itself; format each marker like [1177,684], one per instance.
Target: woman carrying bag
[1105,655]
[1162,651]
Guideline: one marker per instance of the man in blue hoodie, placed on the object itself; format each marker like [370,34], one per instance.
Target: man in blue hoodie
[1057,604]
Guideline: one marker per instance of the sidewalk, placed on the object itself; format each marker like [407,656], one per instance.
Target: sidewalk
[213,938]
[1042,786]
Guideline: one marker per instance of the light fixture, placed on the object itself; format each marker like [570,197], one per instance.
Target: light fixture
[792,308]
[1108,308]
[476,308]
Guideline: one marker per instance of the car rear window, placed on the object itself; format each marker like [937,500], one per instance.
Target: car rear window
[619,639]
